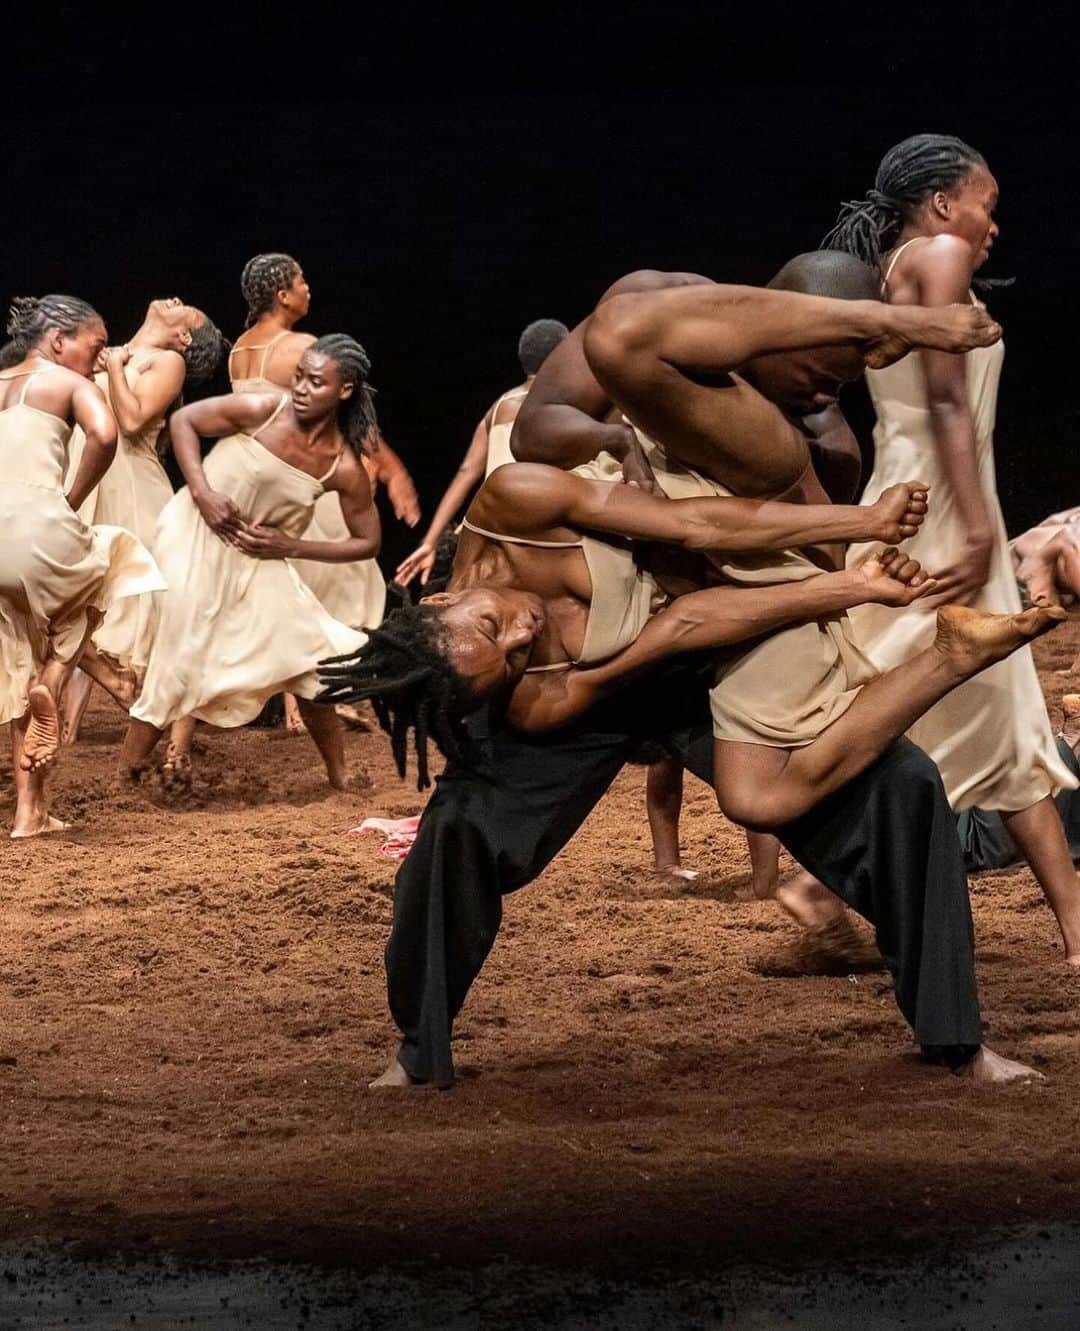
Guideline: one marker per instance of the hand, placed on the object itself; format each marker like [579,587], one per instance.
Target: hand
[637,471]
[403,498]
[899,512]
[118,356]
[953,328]
[422,561]
[968,574]
[890,578]
[221,515]
[262,542]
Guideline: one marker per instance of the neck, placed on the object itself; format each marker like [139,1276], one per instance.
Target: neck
[277,320]
[151,333]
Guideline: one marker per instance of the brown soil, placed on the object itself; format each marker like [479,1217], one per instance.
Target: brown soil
[191,1005]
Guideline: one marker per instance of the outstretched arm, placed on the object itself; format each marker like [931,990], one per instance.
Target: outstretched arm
[530,500]
[715,618]
[388,469]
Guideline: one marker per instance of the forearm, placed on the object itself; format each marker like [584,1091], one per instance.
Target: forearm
[562,436]
[94,463]
[751,524]
[954,435]
[124,402]
[188,454]
[457,492]
[388,465]
[335,552]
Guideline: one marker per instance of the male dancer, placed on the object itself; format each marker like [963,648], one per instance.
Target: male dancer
[885,841]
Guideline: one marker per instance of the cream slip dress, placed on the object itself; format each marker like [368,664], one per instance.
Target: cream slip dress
[498,449]
[131,494]
[990,737]
[353,593]
[233,630]
[53,565]
[784,689]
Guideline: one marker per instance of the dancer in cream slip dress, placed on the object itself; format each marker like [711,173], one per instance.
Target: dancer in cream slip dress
[929,225]
[354,594]
[59,576]
[238,623]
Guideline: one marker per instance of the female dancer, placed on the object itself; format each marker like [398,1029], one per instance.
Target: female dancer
[264,359]
[489,447]
[237,624]
[176,347]
[929,226]
[57,574]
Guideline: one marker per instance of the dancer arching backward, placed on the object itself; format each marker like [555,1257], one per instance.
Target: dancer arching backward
[57,574]
[929,225]
[883,840]
[176,347]
[489,447]
[238,624]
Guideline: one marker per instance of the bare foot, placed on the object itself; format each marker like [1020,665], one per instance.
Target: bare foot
[176,770]
[675,871]
[294,722]
[395,1076]
[809,903]
[48,826]
[970,640]
[837,948]
[42,740]
[353,717]
[1070,724]
[990,1069]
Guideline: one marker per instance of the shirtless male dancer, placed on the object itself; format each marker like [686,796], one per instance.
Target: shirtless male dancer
[884,840]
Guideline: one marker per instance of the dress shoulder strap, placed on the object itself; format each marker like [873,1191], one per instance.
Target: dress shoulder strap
[273,416]
[333,467]
[556,665]
[896,254]
[266,352]
[521,540]
[264,347]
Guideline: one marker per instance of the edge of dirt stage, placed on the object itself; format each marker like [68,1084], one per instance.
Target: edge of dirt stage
[191,1005]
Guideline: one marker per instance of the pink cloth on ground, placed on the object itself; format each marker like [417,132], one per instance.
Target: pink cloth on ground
[400,833]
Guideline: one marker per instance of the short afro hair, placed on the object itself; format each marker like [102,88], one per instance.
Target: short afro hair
[538,341]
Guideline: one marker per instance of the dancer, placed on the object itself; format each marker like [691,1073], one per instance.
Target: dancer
[929,226]
[176,347]
[488,449]
[883,837]
[1046,560]
[264,359]
[237,624]
[58,575]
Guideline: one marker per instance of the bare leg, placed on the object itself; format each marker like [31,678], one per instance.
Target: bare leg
[763,787]
[176,769]
[764,866]
[136,749]
[663,804]
[31,804]
[325,728]
[1038,832]
[73,705]
[294,715]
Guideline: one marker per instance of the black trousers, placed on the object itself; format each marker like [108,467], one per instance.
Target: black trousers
[886,843]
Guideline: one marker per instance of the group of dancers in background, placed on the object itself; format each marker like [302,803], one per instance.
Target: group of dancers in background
[664,556]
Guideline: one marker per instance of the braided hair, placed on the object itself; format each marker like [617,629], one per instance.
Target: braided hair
[356,414]
[203,353]
[30,318]
[404,670]
[263,277]
[909,173]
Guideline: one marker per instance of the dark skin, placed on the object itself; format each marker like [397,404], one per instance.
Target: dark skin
[306,436]
[954,232]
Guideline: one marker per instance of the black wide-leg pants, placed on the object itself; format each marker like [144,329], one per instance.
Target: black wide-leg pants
[885,843]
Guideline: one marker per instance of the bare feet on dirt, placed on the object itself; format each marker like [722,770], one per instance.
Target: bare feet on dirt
[45,828]
[396,1078]
[990,1069]
[42,742]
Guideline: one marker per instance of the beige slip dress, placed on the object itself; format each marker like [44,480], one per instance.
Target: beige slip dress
[54,567]
[234,630]
[498,449]
[353,593]
[991,737]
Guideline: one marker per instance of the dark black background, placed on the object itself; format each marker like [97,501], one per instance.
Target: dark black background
[468,175]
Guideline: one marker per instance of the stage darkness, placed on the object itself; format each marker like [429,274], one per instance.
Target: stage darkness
[433,230]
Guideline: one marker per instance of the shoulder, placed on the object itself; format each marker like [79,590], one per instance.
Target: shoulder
[939,262]
[652,279]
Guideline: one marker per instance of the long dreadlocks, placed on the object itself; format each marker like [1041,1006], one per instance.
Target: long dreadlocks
[403,669]
[909,173]
[356,415]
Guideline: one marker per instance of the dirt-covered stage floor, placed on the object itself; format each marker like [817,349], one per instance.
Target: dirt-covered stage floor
[192,1004]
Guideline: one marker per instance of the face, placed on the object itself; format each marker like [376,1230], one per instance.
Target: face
[297,295]
[802,383]
[80,349]
[179,319]
[317,387]
[968,212]
[490,632]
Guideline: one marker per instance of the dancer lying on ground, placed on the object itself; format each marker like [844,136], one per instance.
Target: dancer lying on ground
[883,839]
[176,347]
[238,624]
[58,575]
